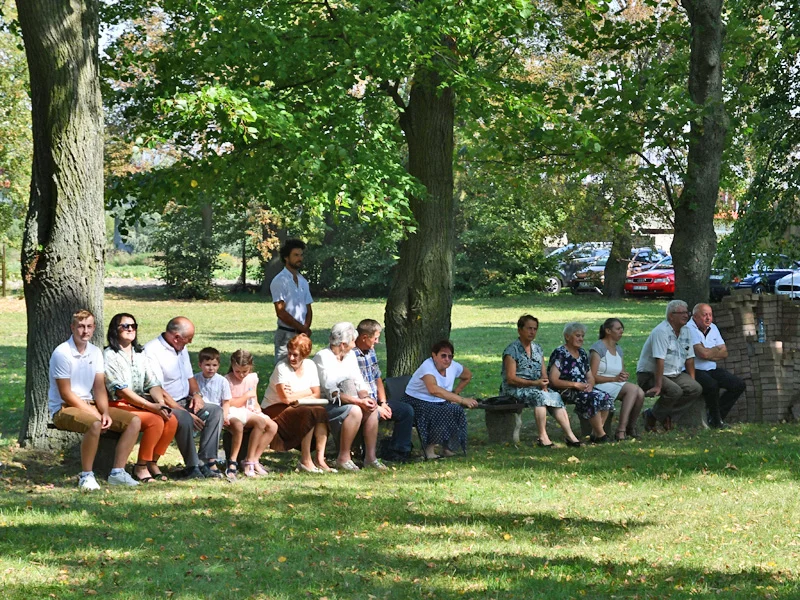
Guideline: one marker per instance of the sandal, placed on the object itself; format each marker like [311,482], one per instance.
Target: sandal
[575,444]
[260,470]
[249,468]
[232,470]
[155,471]
[147,478]
[620,436]
[541,444]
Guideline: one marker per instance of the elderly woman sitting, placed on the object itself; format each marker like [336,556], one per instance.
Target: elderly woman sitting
[438,408]
[524,378]
[350,408]
[570,374]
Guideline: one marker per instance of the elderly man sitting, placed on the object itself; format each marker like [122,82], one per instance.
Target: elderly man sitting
[666,368]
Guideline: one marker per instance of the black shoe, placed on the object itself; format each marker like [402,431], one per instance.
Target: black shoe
[603,439]
[575,444]
[211,471]
[541,444]
[191,473]
[395,456]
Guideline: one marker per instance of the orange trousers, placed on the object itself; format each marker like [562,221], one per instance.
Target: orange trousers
[156,432]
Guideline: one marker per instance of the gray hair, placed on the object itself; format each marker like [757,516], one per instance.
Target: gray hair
[342,333]
[572,327]
[675,306]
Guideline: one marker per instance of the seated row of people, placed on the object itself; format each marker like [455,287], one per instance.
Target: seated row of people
[592,383]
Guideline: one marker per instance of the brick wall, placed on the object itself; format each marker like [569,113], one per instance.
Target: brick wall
[770,369]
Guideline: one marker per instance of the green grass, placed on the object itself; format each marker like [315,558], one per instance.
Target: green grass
[678,515]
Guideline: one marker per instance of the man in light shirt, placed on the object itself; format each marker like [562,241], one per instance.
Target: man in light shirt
[170,361]
[709,347]
[78,402]
[666,368]
[291,298]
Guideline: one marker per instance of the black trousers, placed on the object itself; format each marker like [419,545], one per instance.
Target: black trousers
[719,406]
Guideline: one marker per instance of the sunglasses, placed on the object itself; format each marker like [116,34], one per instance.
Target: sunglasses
[129,327]
[446,356]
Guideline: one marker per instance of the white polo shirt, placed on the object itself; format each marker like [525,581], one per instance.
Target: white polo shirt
[81,369]
[173,369]
[709,340]
[296,296]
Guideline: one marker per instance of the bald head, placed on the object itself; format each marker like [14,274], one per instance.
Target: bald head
[703,316]
[180,325]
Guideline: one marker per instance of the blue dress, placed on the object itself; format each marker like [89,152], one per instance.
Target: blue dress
[587,404]
[528,367]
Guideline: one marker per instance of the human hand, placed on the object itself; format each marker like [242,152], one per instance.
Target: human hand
[580,386]
[384,411]
[368,404]
[226,420]
[469,402]
[653,391]
[196,404]
[165,412]
[623,376]
[543,383]
[199,424]
[105,421]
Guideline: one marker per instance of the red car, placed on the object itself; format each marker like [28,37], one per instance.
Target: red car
[658,280]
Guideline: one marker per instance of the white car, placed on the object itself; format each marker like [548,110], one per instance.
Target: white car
[789,285]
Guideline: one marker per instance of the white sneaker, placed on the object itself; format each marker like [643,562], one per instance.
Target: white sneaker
[122,478]
[87,483]
[376,464]
[348,465]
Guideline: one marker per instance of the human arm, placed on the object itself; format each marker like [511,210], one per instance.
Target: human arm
[510,366]
[383,406]
[434,389]
[689,367]
[558,382]
[70,398]
[159,407]
[716,353]
[101,399]
[658,378]
[196,402]
[283,315]
[463,380]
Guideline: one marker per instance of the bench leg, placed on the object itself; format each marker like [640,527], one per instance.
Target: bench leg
[503,427]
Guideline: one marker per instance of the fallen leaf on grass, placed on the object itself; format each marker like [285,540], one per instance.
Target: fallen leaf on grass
[281,559]
[573,459]
[732,467]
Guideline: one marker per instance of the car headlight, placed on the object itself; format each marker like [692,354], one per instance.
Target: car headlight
[661,280]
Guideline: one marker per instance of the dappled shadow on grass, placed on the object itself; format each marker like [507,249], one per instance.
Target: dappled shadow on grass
[223,542]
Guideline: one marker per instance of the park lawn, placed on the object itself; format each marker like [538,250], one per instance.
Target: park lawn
[678,515]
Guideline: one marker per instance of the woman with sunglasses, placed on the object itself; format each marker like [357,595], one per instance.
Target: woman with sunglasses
[132,386]
[438,408]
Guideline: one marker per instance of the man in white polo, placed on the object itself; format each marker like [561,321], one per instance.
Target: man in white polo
[78,402]
[709,347]
[291,297]
[170,361]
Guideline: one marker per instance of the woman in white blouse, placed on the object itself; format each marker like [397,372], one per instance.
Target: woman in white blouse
[608,369]
[438,407]
[350,408]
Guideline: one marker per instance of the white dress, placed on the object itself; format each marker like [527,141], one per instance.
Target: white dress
[610,366]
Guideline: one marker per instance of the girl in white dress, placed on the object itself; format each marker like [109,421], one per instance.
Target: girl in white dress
[606,361]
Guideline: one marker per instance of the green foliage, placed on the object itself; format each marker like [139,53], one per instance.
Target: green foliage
[16,145]
[352,261]
[189,252]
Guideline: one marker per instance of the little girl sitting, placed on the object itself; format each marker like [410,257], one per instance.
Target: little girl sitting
[243,412]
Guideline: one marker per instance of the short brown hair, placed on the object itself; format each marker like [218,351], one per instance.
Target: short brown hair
[300,343]
[80,315]
[440,345]
[207,354]
[368,326]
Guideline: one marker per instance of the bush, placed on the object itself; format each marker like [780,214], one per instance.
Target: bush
[189,257]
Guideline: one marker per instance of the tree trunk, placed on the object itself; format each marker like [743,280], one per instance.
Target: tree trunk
[62,253]
[617,265]
[421,295]
[695,242]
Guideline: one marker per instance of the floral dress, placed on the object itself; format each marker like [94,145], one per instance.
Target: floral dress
[587,404]
[528,367]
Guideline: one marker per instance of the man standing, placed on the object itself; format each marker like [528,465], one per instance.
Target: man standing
[78,402]
[666,367]
[369,334]
[291,297]
[170,361]
[709,347]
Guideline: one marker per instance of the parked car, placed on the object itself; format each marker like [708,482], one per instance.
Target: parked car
[659,280]
[572,258]
[789,285]
[718,287]
[762,278]
[590,279]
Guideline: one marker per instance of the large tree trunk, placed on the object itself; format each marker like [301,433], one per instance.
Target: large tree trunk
[617,265]
[421,294]
[695,242]
[62,253]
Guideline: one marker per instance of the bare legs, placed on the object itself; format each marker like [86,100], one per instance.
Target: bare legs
[91,440]
[632,398]
[350,427]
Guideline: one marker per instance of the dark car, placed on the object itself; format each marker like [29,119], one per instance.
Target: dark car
[762,278]
[571,259]
[659,280]
[590,279]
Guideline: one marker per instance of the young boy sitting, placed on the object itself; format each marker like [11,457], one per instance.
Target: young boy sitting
[216,389]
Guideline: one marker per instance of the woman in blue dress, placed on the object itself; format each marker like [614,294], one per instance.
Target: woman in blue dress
[570,374]
[524,378]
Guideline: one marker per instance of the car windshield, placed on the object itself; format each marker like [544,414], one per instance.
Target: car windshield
[664,263]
